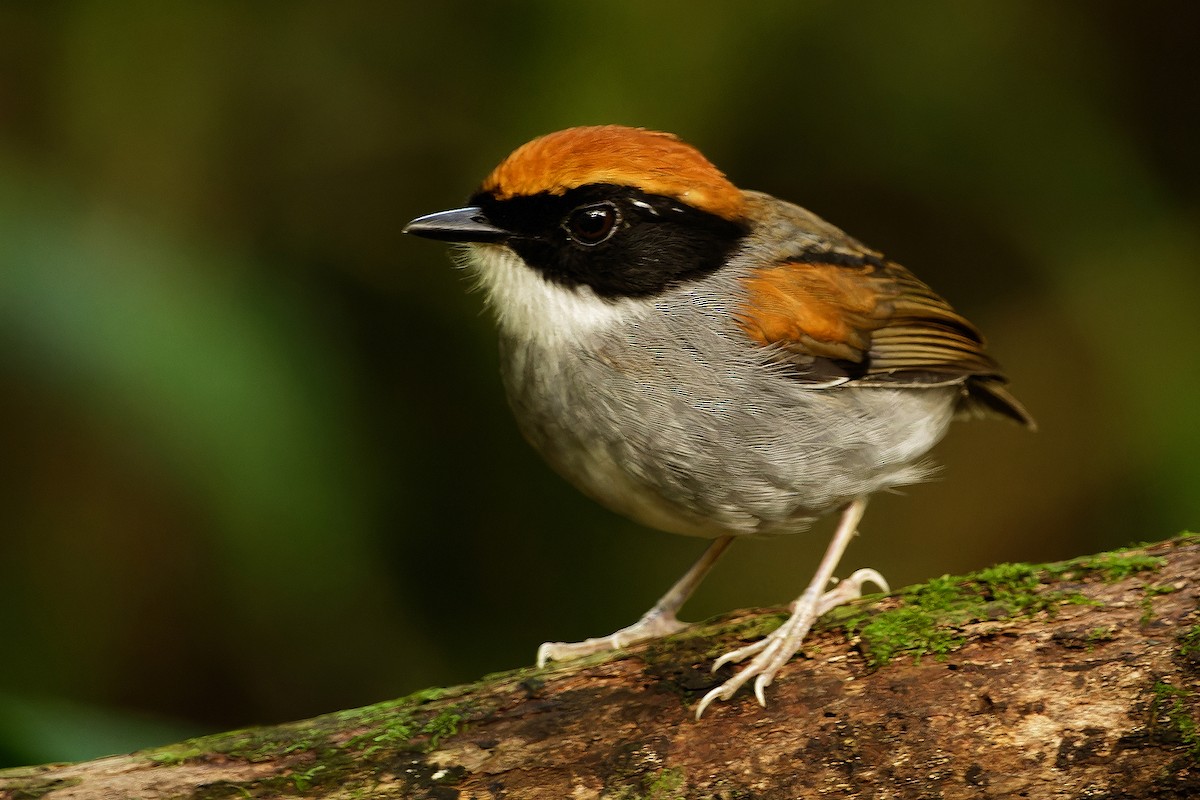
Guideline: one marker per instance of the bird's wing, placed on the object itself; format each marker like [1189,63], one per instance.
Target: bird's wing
[837,318]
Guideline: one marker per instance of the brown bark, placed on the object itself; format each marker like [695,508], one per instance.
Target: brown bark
[1073,680]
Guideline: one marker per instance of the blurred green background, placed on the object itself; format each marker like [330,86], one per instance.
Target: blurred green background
[256,460]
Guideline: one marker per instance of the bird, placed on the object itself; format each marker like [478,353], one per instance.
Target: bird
[710,361]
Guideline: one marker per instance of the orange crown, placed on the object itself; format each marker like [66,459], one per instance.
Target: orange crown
[656,163]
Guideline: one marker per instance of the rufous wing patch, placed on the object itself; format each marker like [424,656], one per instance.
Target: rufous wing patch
[877,315]
[655,162]
[810,309]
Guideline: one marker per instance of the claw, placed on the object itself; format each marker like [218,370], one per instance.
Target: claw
[659,621]
[734,656]
[776,648]
[760,683]
[862,576]
[653,625]
[706,701]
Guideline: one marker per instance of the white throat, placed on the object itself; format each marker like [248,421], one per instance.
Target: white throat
[531,308]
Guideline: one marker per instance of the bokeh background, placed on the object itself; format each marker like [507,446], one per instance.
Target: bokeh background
[256,460]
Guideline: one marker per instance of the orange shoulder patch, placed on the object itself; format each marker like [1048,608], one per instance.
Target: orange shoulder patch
[877,316]
[823,311]
[658,163]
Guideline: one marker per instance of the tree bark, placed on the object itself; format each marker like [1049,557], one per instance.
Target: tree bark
[1069,680]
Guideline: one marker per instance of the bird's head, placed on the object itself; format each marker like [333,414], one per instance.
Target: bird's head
[581,222]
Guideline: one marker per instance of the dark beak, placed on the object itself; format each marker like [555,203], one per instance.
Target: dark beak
[460,225]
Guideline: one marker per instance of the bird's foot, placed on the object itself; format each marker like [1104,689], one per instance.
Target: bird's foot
[654,625]
[776,648]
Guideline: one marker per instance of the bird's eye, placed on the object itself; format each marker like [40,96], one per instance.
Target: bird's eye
[592,224]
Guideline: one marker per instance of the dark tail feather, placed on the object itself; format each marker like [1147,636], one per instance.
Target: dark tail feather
[987,397]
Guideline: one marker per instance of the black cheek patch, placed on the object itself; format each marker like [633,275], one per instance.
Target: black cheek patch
[660,242]
[652,256]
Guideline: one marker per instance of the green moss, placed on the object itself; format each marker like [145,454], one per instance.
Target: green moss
[303,781]
[443,726]
[1100,634]
[257,744]
[1189,643]
[1015,586]
[412,725]
[929,620]
[402,726]
[667,784]
[34,787]
[222,790]
[1170,715]
[907,630]
[1111,567]
[930,616]
[1187,652]
[1149,592]
[1147,606]
[402,730]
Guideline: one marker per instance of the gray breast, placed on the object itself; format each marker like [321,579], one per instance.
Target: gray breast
[675,420]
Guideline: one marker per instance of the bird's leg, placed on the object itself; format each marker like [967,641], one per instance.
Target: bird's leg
[657,622]
[773,651]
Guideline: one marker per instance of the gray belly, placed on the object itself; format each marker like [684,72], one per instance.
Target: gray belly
[659,436]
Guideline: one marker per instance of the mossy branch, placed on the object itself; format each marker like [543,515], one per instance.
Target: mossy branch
[1075,679]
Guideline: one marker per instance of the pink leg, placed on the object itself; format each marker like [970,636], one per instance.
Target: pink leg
[657,622]
[773,650]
